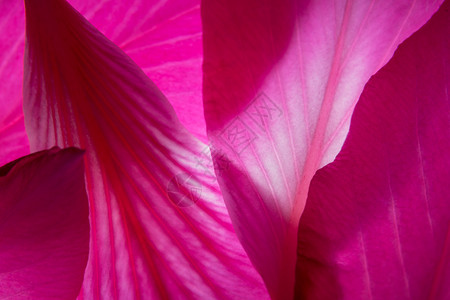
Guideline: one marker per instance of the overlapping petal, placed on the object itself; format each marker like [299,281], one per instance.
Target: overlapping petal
[44,226]
[159,227]
[162,37]
[377,220]
[281,79]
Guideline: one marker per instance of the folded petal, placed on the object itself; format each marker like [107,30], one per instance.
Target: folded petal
[13,138]
[160,229]
[377,220]
[281,79]
[44,226]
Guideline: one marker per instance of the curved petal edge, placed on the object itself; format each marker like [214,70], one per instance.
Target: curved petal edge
[377,220]
[44,225]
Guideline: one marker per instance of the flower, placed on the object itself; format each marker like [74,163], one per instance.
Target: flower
[280,81]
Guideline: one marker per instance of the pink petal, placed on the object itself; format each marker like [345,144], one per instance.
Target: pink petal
[165,39]
[13,139]
[44,226]
[144,170]
[377,221]
[281,81]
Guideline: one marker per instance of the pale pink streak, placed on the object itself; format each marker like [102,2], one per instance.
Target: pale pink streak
[280,79]
[377,221]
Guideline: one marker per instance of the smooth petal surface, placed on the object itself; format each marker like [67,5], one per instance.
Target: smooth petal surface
[281,79]
[376,223]
[44,226]
[160,229]
[13,138]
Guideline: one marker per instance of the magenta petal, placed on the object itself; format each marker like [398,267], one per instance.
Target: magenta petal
[164,38]
[44,226]
[281,80]
[13,138]
[160,229]
[376,224]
